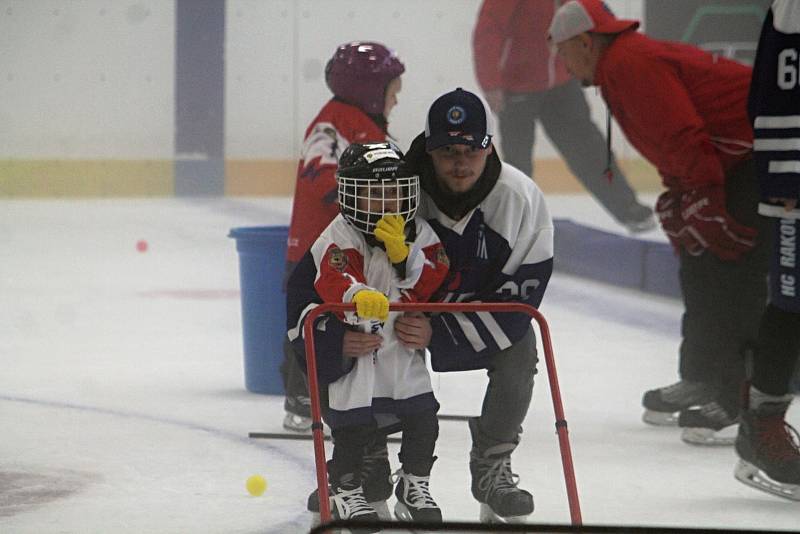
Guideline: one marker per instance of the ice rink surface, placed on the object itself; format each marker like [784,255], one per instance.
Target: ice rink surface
[123,408]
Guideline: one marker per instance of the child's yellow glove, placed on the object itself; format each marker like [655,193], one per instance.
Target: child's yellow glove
[390,231]
[371,304]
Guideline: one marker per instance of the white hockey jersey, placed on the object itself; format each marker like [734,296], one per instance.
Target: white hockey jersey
[394,379]
[501,251]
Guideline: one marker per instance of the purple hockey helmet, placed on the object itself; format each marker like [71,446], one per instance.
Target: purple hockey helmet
[359,72]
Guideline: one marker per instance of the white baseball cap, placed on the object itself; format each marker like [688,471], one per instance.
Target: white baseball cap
[578,16]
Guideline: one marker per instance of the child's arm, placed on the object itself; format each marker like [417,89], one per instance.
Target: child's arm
[341,279]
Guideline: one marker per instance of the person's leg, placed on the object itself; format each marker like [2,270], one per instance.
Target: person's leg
[777,351]
[778,346]
[508,394]
[729,300]
[769,458]
[344,472]
[296,402]
[517,125]
[566,119]
[349,443]
[723,302]
[414,499]
[376,474]
[496,433]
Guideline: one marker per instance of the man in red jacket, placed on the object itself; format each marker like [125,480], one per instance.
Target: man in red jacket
[524,82]
[685,110]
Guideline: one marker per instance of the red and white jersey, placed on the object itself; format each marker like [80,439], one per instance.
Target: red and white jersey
[335,127]
[395,379]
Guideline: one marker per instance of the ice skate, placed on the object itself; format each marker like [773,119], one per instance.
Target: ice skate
[297,423]
[639,219]
[709,424]
[298,414]
[662,405]
[347,502]
[414,501]
[769,451]
[494,485]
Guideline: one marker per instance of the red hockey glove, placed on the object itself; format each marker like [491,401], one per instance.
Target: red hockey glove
[668,209]
[706,219]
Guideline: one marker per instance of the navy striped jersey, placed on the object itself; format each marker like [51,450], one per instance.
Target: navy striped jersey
[774,108]
[500,251]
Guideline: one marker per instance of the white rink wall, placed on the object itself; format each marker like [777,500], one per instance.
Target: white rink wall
[95,78]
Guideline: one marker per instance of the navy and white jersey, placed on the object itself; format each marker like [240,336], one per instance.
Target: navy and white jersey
[500,251]
[774,107]
[393,380]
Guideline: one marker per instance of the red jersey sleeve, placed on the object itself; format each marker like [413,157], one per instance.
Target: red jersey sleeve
[339,270]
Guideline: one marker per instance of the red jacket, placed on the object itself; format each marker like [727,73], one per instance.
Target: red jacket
[315,196]
[510,47]
[683,108]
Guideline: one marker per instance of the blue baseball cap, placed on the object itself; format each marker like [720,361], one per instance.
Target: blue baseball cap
[459,118]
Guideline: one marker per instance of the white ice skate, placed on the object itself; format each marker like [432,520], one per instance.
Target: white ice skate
[380,507]
[751,475]
[297,423]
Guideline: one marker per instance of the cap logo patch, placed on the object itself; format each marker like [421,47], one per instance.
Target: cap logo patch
[456,115]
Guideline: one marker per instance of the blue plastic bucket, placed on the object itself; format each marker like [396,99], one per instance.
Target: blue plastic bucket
[262,261]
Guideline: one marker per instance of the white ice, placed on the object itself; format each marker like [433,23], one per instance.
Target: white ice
[123,407]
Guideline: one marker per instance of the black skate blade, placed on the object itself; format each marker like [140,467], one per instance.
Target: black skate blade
[752,476]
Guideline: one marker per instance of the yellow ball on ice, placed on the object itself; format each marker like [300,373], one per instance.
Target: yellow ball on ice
[256,485]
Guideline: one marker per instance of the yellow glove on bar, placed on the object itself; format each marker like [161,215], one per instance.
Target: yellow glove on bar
[390,231]
[371,304]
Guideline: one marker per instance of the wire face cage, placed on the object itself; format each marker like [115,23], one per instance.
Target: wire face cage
[363,201]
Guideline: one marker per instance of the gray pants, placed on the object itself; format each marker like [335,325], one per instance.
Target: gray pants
[566,119]
[508,394]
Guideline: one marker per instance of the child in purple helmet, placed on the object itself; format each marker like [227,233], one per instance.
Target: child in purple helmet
[364,78]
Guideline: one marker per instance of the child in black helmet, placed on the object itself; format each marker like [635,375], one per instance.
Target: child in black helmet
[372,253]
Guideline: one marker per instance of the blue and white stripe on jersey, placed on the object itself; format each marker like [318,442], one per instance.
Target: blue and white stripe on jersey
[774,109]
[502,251]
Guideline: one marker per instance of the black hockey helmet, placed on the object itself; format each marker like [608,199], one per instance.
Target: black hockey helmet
[373,180]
